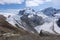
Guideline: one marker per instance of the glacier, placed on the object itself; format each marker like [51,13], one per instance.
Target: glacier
[48,25]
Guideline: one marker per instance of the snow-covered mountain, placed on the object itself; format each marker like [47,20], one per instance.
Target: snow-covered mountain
[33,21]
[50,11]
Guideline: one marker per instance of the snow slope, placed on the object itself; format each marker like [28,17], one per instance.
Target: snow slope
[48,27]
[45,27]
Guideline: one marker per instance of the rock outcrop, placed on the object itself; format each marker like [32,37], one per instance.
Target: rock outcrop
[58,23]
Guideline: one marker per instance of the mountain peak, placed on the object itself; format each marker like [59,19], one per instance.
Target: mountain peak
[49,11]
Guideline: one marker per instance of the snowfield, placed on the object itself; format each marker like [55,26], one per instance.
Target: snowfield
[48,27]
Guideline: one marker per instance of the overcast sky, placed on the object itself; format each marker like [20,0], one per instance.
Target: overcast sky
[36,4]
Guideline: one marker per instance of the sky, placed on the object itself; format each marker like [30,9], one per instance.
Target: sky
[34,4]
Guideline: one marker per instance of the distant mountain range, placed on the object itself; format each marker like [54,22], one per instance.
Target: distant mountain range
[50,11]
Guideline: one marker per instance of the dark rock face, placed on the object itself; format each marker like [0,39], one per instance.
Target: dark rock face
[58,11]
[50,11]
[21,12]
[30,23]
[25,11]
[37,20]
[58,23]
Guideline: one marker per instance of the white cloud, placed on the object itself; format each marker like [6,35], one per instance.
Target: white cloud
[48,0]
[9,12]
[56,2]
[11,1]
[30,3]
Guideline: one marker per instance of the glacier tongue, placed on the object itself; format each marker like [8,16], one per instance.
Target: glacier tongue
[45,27]
[48,26]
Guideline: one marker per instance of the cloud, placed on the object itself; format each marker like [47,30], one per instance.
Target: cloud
[56,2]
[8,12]
[30,3]
[48,0]
[11,1]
